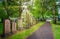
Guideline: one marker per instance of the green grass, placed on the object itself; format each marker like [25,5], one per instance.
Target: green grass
[56,31]
[1,28]
[24,34]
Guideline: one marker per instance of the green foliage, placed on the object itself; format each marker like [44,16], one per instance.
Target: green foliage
[9,8]
[39,9]
[42,8]
[35,10]
[3,13]
[14,11]
[26,0]
[13,8]
[13,2]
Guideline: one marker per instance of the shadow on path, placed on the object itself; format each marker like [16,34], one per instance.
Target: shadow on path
[44,32]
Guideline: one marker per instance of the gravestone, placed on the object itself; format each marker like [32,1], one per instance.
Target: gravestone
[13,27]
[7,27]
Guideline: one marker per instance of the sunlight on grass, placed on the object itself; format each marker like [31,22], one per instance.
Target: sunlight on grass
[56,31]
[24,34]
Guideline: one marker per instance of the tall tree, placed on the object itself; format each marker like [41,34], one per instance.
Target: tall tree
[54,13]
[5,5]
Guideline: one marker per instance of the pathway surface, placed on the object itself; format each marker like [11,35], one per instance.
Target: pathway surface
[44,32]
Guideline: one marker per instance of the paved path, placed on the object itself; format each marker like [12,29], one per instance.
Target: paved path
[44,32]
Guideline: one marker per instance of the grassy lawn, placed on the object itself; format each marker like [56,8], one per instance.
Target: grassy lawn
[1,28]
[56,31]
[24,34]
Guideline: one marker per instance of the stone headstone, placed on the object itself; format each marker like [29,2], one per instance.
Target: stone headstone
[7,26]
[13,27]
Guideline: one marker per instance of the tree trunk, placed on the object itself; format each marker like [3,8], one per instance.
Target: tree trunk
[20,8]
[54,14]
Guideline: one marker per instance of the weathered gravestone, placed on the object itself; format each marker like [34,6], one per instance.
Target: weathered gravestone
[7,27]
[13,27]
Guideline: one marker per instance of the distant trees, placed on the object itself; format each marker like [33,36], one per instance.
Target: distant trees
[50,6]
[39,9]
[44,8]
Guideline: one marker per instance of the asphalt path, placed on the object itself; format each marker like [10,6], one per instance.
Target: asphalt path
[44,32]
